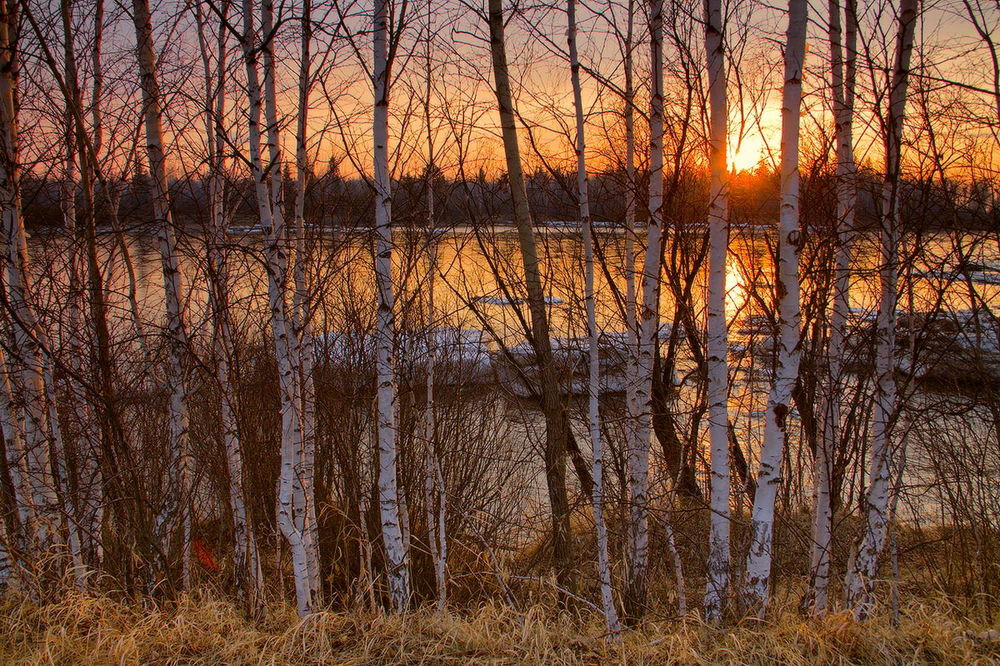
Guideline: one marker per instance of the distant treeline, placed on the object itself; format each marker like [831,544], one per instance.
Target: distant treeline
[334,201]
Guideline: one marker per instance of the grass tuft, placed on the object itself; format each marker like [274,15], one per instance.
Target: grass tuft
[202,629]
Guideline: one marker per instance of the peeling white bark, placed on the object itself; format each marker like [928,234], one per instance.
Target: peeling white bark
[303,352]
[718,369]
[246,559]
[389,500]
[176,509]
[262,98]
[593,398]
[758,573]
[648,338]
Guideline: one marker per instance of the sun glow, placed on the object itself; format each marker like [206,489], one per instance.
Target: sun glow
[747,153]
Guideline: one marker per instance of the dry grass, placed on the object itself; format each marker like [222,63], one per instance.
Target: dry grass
[203,630]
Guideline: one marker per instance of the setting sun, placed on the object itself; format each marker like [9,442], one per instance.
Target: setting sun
[747,153]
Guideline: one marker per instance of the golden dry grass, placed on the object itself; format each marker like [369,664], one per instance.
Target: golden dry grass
[200,629]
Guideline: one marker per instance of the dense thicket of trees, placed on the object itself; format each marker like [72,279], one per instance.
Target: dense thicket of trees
[271,330]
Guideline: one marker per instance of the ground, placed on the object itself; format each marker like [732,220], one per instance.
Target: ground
[202,629]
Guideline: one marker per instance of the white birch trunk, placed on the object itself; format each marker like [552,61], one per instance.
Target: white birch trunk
[631,323]
[26,357]
[433,478]
[17,463]
[389,505]
[269,206]
[88,512]
[302,321]
[718,371]
[648,338]
[74,344]
[632,361]
[436,507]
[593,398]
[177,507]
[758,574]
[675,557]
[843,78]
[861,577]
[246,560]
[31,391]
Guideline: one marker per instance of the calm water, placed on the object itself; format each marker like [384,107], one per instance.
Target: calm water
[469,295]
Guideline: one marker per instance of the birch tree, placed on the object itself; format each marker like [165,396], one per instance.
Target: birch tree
[861,577]
[246,558]
[843,54]
[108,440]
[716,361]
[176,509]
[593,335]
[26,355]
[631,378]
[434,488]
[291,515]
[759,557]
[388,489]
[638,459]
[59,451]
[303,345]
[88,446]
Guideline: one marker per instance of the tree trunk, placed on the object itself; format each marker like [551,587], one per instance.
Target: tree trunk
[718,369]
[433,476]
[632,361]
[246,559]
[555,433]
[636,591]
[269,208]
[843,78]
[758,575]
[861,577]
[388,490]
[26,356]
[593,392]
[302,319]
[177,507]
